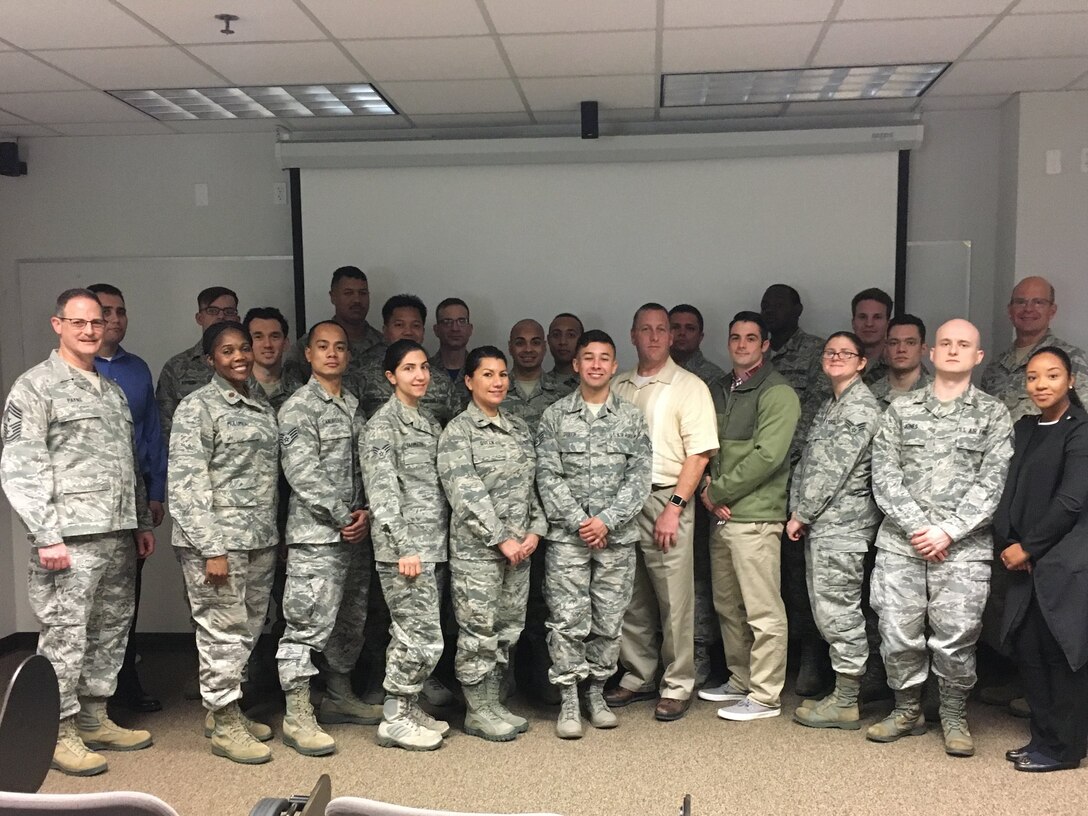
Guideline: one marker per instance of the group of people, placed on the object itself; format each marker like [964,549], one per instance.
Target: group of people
[618,520]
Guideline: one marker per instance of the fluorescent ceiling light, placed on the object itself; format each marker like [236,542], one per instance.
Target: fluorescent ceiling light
[277,102]
[799,85]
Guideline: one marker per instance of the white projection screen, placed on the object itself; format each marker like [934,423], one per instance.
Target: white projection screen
[598,240]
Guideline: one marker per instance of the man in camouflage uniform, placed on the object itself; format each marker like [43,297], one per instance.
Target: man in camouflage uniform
[870,311]
[939,463]
[349,293]
[268,328]
[70,471]
[593,474]
[453,328]
[532,390]
[904,349]
[686,325]
[187,370]
[563,334]
[795,354]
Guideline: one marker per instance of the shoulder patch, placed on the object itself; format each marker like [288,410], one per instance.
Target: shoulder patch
[13,423]
[288,436]
[381,451]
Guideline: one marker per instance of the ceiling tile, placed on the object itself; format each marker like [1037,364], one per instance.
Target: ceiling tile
[399,18]
[71,24]
[11,119]
[721,112]
[26,131]
[830,107]
[937,103]
[70,106]
[539,16]
[116,68]
[1040,35]
[470,120]
[21,72]
[750,48]
[468,96]
[544,55]
[440,57]
[193,21]
[148,128]
[1006,76]
[701,14]
[886,42]
[1044,6]
[279,63]
[892,9]
[611,92]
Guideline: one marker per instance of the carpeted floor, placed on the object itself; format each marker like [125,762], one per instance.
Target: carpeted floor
[642,768]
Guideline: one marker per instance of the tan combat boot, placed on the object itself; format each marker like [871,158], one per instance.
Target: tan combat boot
[341,705]
[300,729]
[496,682]
[569,724]
[481,719]
[259,730]
[838,710]
[600,715]
[904,720]
[957,736]
[100,733]
[71,756]
[232,740]
[399,729]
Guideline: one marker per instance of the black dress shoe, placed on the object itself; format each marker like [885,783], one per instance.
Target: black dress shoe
[1035,762]
[1016,754]
[134,698]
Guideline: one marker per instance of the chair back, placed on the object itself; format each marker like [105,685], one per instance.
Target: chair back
[116,803]
[29,714]
[355,806]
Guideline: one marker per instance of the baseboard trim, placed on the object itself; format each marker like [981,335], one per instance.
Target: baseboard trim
[145,642]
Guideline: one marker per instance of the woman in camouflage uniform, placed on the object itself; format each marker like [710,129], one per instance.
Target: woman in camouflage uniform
[223,472]
[832,506]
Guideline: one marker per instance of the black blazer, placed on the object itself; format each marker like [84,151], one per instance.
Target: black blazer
[1045,507]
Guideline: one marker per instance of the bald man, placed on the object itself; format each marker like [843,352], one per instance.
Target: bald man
[939,464]
[1031,308]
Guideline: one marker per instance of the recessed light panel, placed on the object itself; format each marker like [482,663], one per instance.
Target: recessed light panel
[799,85]
[276,102]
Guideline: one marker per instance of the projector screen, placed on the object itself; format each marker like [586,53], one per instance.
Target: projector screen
[601,239]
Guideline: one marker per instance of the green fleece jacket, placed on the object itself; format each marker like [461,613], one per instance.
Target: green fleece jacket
[755,426]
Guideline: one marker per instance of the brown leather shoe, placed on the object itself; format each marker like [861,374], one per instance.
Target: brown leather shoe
[668,709]
[619,697]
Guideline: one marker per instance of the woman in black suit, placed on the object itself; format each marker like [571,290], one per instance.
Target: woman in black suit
[1041,527]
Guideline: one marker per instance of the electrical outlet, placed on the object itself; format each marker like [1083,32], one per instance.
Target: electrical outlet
[200,192]
[1053,162]
[279,193]
[1084,160]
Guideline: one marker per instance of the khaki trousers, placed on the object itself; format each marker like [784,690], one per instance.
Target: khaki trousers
[745,570]
[660,622]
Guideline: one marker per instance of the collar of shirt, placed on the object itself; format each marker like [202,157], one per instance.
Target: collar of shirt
[665,374]
[579,404]
[1008,359]
[120,354]
[736,381]
[412,417]
[233,395]
[480,419]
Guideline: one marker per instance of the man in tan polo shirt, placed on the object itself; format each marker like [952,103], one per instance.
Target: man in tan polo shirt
[659,624]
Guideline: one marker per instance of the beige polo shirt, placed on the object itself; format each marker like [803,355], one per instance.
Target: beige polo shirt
[680,414]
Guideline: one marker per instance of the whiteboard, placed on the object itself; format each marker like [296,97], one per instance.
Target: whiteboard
[160,294]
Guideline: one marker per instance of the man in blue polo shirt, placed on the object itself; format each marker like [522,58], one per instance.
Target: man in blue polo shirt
[132,374]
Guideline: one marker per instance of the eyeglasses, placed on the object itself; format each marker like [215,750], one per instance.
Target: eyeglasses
[831,354]
[1035,303]
[450,322]
[215,311]
[79,324]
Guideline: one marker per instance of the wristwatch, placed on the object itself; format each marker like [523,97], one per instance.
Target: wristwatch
[679,502]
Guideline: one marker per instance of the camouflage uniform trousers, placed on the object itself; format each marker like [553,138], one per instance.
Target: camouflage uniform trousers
[324,607]
[708,636]
[415,627]
[905,592]
[835,579]
[587,592]
[489,600]
[85,612]
[228,618]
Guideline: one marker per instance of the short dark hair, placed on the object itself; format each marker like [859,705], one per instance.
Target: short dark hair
[872,293]
[213,332]
[212,294]
[479,354]
[648,307]
[594,336]
[73,294]
[105,289]
[347,272]
[450,301]
[908,320]
[795,296]
[687,308]
[266,313]
[310,334]
[855,341]
[1067,364]
[751,317]
[572,316]
[403,302]
[398,351]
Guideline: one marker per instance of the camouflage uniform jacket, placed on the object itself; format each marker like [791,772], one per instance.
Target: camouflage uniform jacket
[69,462]
[376,389]
[1004,377]
[531,407]
[296,369]
[831,489]
[702,368]
[875,370]
[224,466]
[182,374]
[567,382]
[593,466]
[799,362]
[882,389]
[319,451]
[460,396]
[488,470]
[941,464]
[281,392]
[398,451]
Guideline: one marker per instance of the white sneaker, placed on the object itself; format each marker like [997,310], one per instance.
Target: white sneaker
[748,709]
[436,694]
[725,693]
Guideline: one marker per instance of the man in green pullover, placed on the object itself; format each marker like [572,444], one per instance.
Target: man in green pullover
[757,413]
